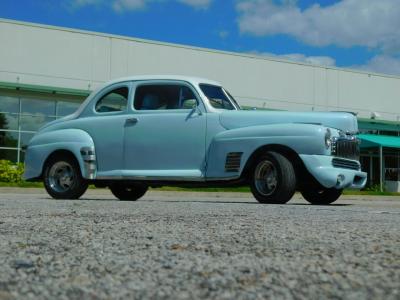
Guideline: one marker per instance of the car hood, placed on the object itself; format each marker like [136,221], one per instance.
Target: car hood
[346,122]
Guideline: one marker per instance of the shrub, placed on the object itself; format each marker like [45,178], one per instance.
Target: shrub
[375,188]
[10,172]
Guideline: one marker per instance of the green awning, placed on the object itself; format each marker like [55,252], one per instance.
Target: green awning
[373,140]
[44,89]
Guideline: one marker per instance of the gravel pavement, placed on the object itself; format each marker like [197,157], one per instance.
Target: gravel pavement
[178,245]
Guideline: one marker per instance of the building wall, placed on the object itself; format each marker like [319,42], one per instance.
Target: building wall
[60,57]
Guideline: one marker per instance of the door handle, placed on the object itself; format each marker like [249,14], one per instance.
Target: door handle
[131,121]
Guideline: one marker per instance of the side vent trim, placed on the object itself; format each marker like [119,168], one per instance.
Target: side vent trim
[232,163]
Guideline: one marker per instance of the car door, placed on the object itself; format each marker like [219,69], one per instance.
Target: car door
[164,134]
[105,120]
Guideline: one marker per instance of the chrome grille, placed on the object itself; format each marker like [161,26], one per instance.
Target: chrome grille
[346,147]
[232,163]
[345,164]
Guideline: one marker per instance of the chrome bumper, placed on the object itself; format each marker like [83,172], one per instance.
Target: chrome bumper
[330,176]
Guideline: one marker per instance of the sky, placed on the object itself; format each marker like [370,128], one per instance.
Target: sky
[359,34]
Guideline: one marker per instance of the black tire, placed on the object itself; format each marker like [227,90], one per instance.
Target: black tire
[62,177]
[278,185]
[321,196]
[128,192]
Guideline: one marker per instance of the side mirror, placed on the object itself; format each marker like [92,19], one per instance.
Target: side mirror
[195,108]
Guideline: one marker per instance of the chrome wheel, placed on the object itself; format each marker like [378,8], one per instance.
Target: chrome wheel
[61,177]
[273,179]
[266,178]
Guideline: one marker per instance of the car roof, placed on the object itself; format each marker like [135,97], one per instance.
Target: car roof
[191,79]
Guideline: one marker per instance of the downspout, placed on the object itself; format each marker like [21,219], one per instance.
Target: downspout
[381,167]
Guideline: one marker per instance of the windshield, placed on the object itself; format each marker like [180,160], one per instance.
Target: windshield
[218,97]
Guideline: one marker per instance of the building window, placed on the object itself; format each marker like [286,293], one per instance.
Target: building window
[9,104]
[65,108]
[22,116]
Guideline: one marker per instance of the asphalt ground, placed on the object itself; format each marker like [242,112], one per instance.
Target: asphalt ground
[178,245]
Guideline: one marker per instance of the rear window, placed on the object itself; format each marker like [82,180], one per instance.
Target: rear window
[217,97]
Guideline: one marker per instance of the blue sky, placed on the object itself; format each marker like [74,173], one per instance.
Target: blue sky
[362,34]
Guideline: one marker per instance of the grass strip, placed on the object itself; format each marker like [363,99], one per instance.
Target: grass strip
[26,184]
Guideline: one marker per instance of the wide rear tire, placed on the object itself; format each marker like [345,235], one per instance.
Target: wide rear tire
[273,179]
[128,192]
[63,178]
[321,196]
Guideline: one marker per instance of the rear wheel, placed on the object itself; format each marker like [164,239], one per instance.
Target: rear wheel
[128,192]
[273,179]
[321,195]
[63,178]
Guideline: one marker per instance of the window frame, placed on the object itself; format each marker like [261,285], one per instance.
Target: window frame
[108,90]
[228,96]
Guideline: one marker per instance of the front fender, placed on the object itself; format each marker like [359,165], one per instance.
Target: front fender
[43,144]
[302,138]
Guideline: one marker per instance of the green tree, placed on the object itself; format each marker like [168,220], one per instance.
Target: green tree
[3,121]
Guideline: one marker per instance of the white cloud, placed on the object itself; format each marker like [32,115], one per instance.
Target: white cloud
[132,5]
[123,5]
[298,57]
[79,3]
[347,23]
[197,3]
[382,64]
[86,2]
[314,60]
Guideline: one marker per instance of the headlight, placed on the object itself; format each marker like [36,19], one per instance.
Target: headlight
[328,140]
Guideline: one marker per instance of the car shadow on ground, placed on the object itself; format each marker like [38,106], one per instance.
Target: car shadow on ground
[333,204]
[198,201]
[240,202]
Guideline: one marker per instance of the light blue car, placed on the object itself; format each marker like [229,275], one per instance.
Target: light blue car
[149,131]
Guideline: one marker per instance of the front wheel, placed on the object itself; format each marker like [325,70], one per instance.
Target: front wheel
[63,178]
[273,179]
[128,192]
[321,195]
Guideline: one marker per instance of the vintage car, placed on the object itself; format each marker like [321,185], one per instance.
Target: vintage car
[150,131]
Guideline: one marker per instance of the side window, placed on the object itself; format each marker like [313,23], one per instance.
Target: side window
[161,97]
[116,100]
[216,96]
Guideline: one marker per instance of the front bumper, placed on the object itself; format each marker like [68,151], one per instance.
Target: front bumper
[321,167]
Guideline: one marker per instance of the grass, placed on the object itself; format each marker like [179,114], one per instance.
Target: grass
[26,184]
[22,184]
[369,193]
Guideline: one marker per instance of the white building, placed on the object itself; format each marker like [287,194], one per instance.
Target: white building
[46,71]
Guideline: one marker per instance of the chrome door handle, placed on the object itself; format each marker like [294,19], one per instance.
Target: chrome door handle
[131,121]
